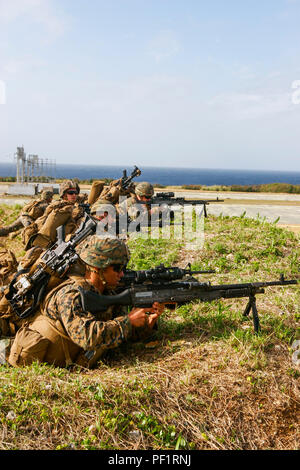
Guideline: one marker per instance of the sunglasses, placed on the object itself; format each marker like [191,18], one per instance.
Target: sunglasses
[118,267]
[71,192]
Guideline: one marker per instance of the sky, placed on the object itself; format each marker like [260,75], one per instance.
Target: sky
[173,83]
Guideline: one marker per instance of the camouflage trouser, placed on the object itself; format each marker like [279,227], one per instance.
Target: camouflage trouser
[16,225]
[21,222]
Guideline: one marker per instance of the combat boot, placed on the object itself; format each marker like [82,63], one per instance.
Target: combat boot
[3,232]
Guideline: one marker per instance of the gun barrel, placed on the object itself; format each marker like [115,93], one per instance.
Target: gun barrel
[181,201]
[209,271]
[88,226]
[254,285]
[126,180]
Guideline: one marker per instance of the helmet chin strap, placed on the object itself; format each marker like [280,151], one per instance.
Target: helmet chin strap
[100,273]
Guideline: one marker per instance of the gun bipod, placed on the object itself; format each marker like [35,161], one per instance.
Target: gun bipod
[252,306]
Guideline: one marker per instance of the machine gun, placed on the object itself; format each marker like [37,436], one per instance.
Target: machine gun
[125,181]
[168,198]
[26,291]
[86,207]
[119,187]
[174,292]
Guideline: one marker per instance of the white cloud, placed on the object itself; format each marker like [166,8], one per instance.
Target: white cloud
[10,10]
[38,11]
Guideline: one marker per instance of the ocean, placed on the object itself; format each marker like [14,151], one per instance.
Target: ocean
[169,176]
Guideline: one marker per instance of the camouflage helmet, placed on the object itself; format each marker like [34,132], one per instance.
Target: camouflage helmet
[100,205]
[46,194]
[144,189]
[68,184]
[102,252]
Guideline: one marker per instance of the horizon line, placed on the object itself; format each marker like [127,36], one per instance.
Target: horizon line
[168,167]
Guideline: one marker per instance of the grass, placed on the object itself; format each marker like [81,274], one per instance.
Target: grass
[204,382]
[148,253]
[8,214]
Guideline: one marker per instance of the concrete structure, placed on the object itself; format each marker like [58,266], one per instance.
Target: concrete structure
[23,189]
[27,189]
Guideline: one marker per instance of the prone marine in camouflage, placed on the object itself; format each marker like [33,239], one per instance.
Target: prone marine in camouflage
[30,212]
[107,217]
[9,322]
[65,212]
[138,200]
[131,208]
[138,207]
[8,265]
[65,332]
[114,191]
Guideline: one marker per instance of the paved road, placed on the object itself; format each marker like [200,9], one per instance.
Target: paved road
[13,201]
[288,214]
[235,195]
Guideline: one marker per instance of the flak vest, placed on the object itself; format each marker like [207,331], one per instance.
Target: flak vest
[46,340]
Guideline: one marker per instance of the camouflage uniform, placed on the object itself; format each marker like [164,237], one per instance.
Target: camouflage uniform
[96,190]
[113,192]
[110,223]
[37,237]
[73,334]
[8,265]
[42,233]
[141,189]
[9,321]
[136,208]
[95,332]
[101,205]
[30,212]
